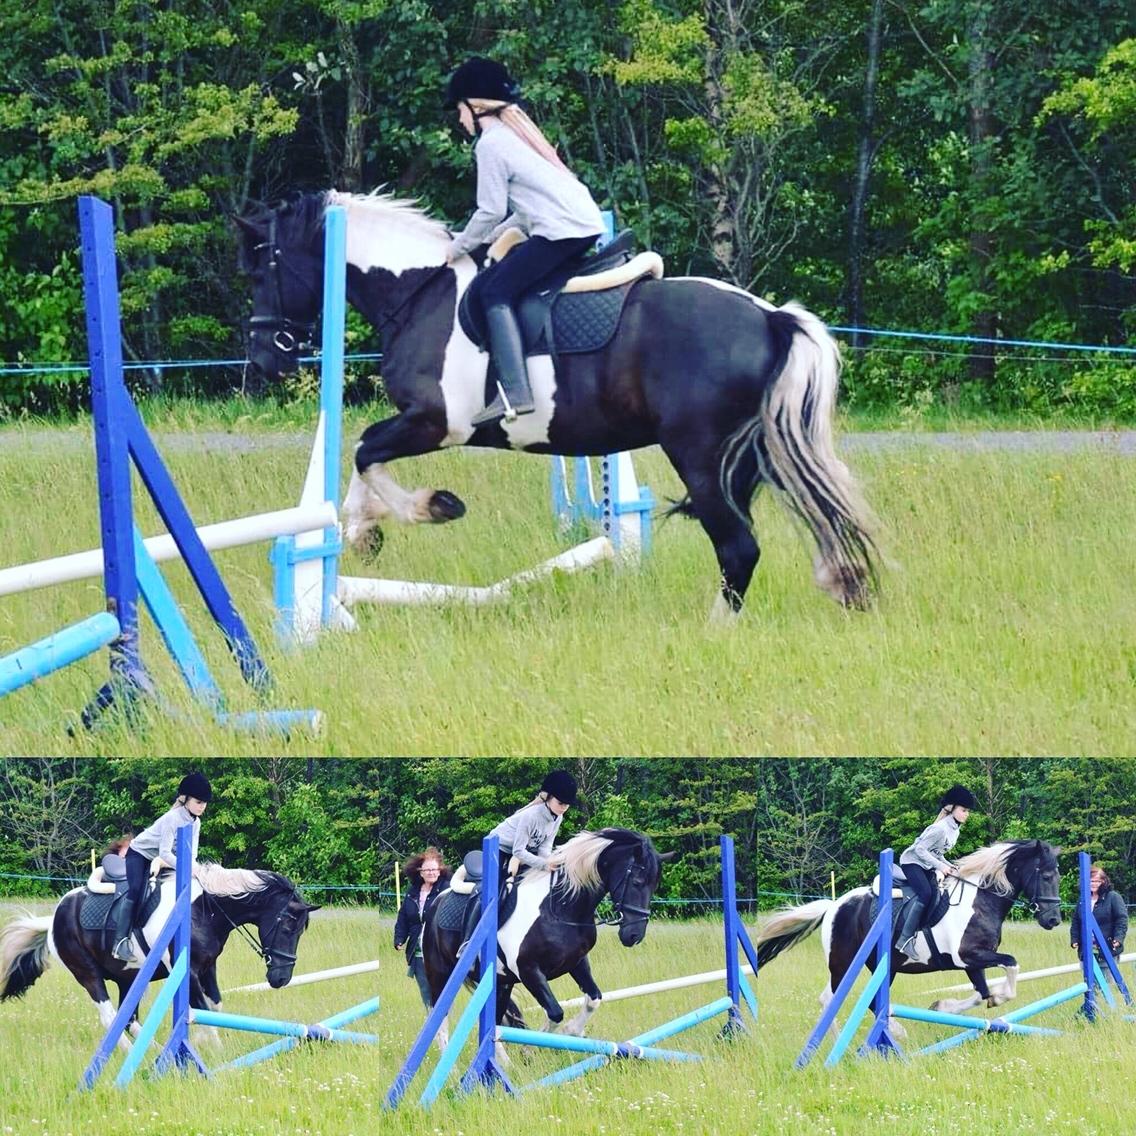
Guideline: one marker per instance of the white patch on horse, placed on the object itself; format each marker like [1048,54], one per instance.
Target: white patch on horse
[157,920]
[383,232]
[531,891]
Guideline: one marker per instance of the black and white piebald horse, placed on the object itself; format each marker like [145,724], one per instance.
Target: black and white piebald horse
[966,935]
[553,925]
[737,393]
[224,899]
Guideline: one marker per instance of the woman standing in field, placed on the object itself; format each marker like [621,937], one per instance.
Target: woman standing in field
[428,876]
[1109,910]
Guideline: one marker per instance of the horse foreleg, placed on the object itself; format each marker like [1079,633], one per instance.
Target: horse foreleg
[375,496]
[582,975]
[535,982]
[976,966]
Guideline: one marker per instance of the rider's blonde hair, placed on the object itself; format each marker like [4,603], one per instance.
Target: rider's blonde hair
[521,125]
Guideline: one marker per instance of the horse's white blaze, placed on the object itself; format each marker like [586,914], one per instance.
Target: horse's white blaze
[531,891]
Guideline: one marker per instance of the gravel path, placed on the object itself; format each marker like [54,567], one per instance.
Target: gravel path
[42,441]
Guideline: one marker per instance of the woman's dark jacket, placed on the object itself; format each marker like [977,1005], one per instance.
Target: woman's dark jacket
[408,925]
[1111,913]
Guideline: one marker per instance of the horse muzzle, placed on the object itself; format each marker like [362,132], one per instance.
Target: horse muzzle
[280,975]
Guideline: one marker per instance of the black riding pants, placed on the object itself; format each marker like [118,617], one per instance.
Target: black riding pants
[527,264]
[137,873]
[925,886]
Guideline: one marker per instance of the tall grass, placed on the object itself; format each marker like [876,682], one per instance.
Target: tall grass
[1074,1083]
[1003,627]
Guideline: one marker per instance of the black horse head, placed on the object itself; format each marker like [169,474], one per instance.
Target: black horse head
[1030,870]
[282,252]
[624,864]
[276,908]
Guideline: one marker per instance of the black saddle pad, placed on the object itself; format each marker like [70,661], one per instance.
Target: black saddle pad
[449,911]
[99,911]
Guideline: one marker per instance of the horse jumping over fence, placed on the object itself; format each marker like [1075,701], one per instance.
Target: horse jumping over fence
[967,934]
[553,924]
[737,393]
[224,900]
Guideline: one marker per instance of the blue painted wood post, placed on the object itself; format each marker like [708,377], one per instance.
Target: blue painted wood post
[112,455]
[736,936]
[879,1036]
[331,384]
[137,990]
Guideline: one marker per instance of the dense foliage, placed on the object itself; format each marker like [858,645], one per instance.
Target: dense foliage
[348,823]
[957,166]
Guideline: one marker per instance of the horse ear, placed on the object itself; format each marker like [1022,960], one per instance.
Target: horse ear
[667,856]
[313,906]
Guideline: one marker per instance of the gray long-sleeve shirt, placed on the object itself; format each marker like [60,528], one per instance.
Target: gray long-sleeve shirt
[528,834]
[516,185]
[931,843]
[159,839]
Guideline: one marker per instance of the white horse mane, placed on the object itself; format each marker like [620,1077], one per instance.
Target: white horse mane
[390,231]
[581,861]
[232,883]
[988,867]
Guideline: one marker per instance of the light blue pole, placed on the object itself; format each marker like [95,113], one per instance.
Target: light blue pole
[486,987]
[344,1017]
[272,1026]
[879,976]
[56,651]
[162,1002]
[331,383]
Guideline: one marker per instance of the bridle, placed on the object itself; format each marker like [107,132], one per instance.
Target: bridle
[272,955]
[288,336]
[291,336]
[1028,891]
[622,907]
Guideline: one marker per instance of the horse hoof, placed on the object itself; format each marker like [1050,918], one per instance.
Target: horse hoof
[371,544]
[445,506]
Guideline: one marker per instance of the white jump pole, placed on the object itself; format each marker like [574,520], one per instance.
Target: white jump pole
[226,534]
[658,987]
[1048,972]
[314,976]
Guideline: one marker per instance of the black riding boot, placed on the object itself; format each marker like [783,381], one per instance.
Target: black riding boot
[905,939]
[514,395]
[124,924]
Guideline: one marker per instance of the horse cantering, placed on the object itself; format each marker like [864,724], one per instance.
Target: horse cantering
[223,900]
[736,392]
[967,934]
[553,925]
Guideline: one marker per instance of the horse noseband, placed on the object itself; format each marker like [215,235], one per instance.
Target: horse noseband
[283,329]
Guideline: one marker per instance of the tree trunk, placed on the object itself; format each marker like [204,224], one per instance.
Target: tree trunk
[865,153]
[982,136]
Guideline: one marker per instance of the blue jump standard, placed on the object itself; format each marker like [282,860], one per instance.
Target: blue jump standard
[129,573]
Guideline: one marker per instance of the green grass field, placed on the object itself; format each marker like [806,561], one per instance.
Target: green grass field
[1074,1083]
[1003,627]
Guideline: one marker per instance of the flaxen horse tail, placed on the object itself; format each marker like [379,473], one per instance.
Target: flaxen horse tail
[789,445]
[787,928]
[23,955]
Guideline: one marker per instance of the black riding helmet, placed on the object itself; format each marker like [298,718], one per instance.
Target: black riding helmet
[959,795]
[561,785]
[481,78]
[195,785]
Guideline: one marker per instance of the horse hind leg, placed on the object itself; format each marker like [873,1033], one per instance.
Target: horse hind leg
[726,522]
